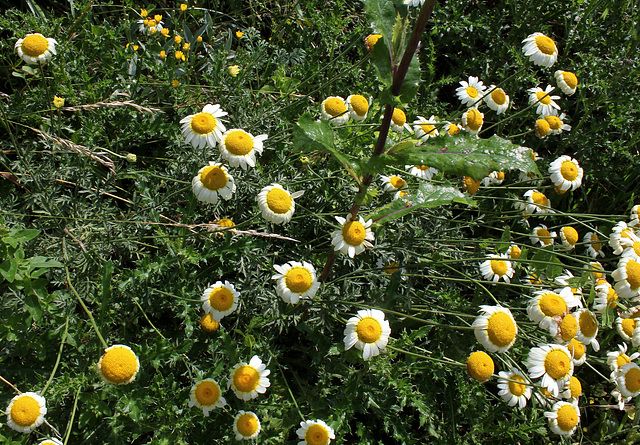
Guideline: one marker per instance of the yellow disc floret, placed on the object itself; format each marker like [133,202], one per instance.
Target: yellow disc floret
[359,104]
[119,365]
[207,393]
[298,280]
[569,170]
[557,364]
[545,45]
[213,177]
[501,329]
[517,389]
[334,106]
[633,274]
[498,267]
[247,424]
[632,380]
[221,299]
[208,324]
[354,233]
[35,45]
[238,143]
[246,378]
[369,330]
[25,411]
[316,435]
[567,417]
[552,304]
[398,117]
[568,327]
[202,123]
[279,201]
[480,366]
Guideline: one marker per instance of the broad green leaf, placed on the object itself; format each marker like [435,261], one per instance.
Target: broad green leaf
[427,195]
[382,14]
[461,155]
[310,135]
[24,235]
[8,269]
[40,262]
[411,81]
[381,58]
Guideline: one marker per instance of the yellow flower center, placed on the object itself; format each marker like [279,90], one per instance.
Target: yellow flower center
[622,359]
[316,435]
[632,380]
[157,18]
[25,411]
[612,298]
[557,364]
[570,79]
[498,96]
[202,123]
[208,324]
[334,106]
[119,365]
[628,325]
[545,45]
[391,268]
[372,40]
[428,129]
[595,242]
[359,104]
[354,233]
[567,417]
[34,45]
[207,393]
[570,235]
[472,92]
[221,299]
[568,327]
[569,170]
[225,222]
[544,236]
[500,176]
[543,97]
[246,378]
[247,424]
[279,201]
[539,199]
[554,122]
[575,387]
[626,233]
[499,267]
[552,304]
[517,389]
[633,274]
[474,120]
[238,143]
[422,167]
[298,280]
[213,177]
[398,117]
[501,329]
[515,252]
[542,128]
[397,182]
[368,330]
[480,366]
[453,130]
[471,185]
[588,324]
[576,349]
[636,247]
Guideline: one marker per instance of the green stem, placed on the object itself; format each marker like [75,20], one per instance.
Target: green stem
[73,414]
[286,383]
[55,367]
[86,309]
[426,357]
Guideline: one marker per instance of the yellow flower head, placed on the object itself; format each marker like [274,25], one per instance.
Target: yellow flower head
[58,102]
[118,365]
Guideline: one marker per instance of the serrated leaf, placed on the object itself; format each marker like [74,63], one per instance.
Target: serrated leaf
[460,155]
[427,195]
[411,81]
[311,135]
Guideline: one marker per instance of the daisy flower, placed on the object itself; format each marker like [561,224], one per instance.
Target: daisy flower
[566,173]
[470,185]
[540,49]
[389,267]
[620,400]
[536,202]
[495,328]
[616,359]
[543,99]
[204,128]
[50,442]
[399,121]
[569,237]
[421,171]
[513,392]
[553,363]
[595,272]
[628,380]
[578,352]
[335,110]
[470,92]
[26,412]
[622,236]
[118,365]
[542,128]
[206,395]
[358,107]
[556,122]
[567,81]
[277,204]
[425,129]
[631,247]
[35,48]
[587,328]
[497,267]
[353,237]
[212,181]
[546,307]
[220,300]
[626,327]
[496,99]
[480,366]
[208,324]
[592,240]
[315,433]
[472,120]
[239,148]
[542,235]
[413,2]
[494,177]
[634,215]
[249,380]
[574,389]
[295,280]
[563,418]
[246,425]
[627,277]
[450,128]
[367,331]
[566,329]
[514,251]
[393,183]
[371,40]
[606,297]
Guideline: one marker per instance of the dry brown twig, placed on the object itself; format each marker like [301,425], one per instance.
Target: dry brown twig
[116,104]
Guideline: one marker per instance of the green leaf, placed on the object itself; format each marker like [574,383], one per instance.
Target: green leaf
[24,235]
[411,81]
[381,58]
[8,269]
[460,155]
[382,14]
[427,195]
[312,135]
